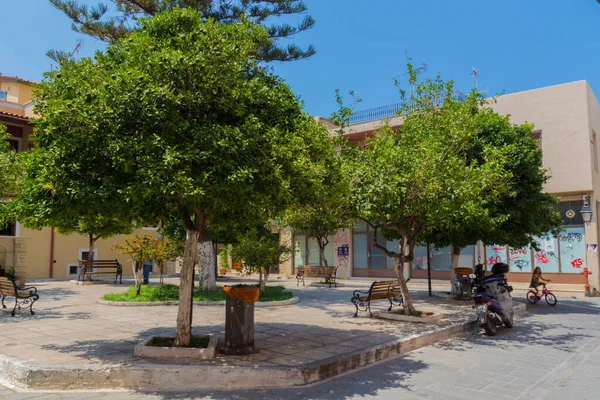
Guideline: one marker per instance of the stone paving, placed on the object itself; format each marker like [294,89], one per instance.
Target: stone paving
[70,328]
[552,353]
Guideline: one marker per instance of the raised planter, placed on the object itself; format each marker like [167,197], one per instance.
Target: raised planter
[423,317]
[145,349]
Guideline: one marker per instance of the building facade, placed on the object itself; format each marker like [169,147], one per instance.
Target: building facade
[566,122]
[44,253]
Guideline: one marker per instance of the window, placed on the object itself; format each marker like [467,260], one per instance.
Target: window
[8,230]
[307,252]
[442,258]
[72,270]
[537,136]
[15,143]
[83,254]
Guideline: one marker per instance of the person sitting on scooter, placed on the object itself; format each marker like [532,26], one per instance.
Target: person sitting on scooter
[536,278]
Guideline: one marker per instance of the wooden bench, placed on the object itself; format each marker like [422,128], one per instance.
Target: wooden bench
[379,290]
[106,267]
[24,296]
[328,273]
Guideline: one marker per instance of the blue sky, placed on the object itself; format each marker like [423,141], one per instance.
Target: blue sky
[514,44]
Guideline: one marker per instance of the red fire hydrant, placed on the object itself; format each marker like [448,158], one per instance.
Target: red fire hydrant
[586,282]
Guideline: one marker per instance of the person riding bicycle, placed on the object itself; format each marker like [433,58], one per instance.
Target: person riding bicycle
[536,279]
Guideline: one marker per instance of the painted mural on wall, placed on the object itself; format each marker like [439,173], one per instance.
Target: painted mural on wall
[495,254]
[520,259]
[547,257]
[572,250]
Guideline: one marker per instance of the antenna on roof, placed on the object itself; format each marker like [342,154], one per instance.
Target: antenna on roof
[475,75]
[75,53]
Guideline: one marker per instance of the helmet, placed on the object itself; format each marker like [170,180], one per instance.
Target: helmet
[499,268]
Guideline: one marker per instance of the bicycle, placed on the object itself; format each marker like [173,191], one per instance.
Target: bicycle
[534,297]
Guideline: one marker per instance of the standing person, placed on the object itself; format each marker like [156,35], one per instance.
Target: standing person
[147,268]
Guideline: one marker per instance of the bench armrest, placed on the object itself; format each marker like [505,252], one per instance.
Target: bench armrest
[32,290]
[358,293]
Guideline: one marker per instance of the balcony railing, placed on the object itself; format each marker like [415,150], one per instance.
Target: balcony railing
[374,114]
[390,110]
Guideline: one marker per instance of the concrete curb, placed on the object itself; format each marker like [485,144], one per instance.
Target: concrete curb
[258,304]
[174,377]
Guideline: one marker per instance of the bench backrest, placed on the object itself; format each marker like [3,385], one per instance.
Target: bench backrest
[99,263]
[7,286]
[384,290]
[326,271]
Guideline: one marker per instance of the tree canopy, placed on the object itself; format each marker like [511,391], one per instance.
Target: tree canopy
[523,210]
[110,25]
[180,119]
[10,166]
[416,178]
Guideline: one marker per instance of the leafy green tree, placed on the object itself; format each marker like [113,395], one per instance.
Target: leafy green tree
[325,214]
[111,25]
[521,212]
[181,120]
[260,251]
[63,190]
[409,180]
[10,166]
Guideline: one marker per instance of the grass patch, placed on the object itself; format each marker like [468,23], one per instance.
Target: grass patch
[200,342]
[171,293]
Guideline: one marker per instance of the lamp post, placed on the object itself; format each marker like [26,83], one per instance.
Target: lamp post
[586,214]
[586,210]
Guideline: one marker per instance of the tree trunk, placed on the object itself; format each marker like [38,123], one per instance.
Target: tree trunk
[454,264]
[322,244]
[206,266]
[92,242]
[186,288]
[399,263]
[264,275]
[162,272]
[139,270]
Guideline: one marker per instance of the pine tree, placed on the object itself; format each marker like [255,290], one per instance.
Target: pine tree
[109,25]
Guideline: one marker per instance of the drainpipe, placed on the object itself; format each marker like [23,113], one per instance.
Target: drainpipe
[51,252]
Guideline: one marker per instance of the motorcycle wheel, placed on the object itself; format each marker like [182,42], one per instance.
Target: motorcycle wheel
[490,327]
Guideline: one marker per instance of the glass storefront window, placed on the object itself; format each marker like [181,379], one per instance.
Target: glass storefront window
[572,250]
[520,259]
[359,246]
[420,261]
[299,250]
[467,257]
[442,259]
[377,256]
[391,245]
[547,257]
[329,252]
[314,254]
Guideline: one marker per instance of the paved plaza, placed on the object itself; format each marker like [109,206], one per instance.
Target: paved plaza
[554,348]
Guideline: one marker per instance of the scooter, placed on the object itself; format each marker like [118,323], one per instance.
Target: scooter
[493,302]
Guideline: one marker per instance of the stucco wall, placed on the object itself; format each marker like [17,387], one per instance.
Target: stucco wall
[561,113]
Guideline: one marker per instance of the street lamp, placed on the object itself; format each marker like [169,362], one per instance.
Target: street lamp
[586,210]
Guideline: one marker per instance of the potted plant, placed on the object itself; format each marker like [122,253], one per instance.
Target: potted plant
[223,261]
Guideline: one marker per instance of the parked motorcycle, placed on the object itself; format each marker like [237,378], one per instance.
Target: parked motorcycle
[463,283]
[493,302]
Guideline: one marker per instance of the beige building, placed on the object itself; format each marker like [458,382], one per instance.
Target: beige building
[567,120]
[44,253]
